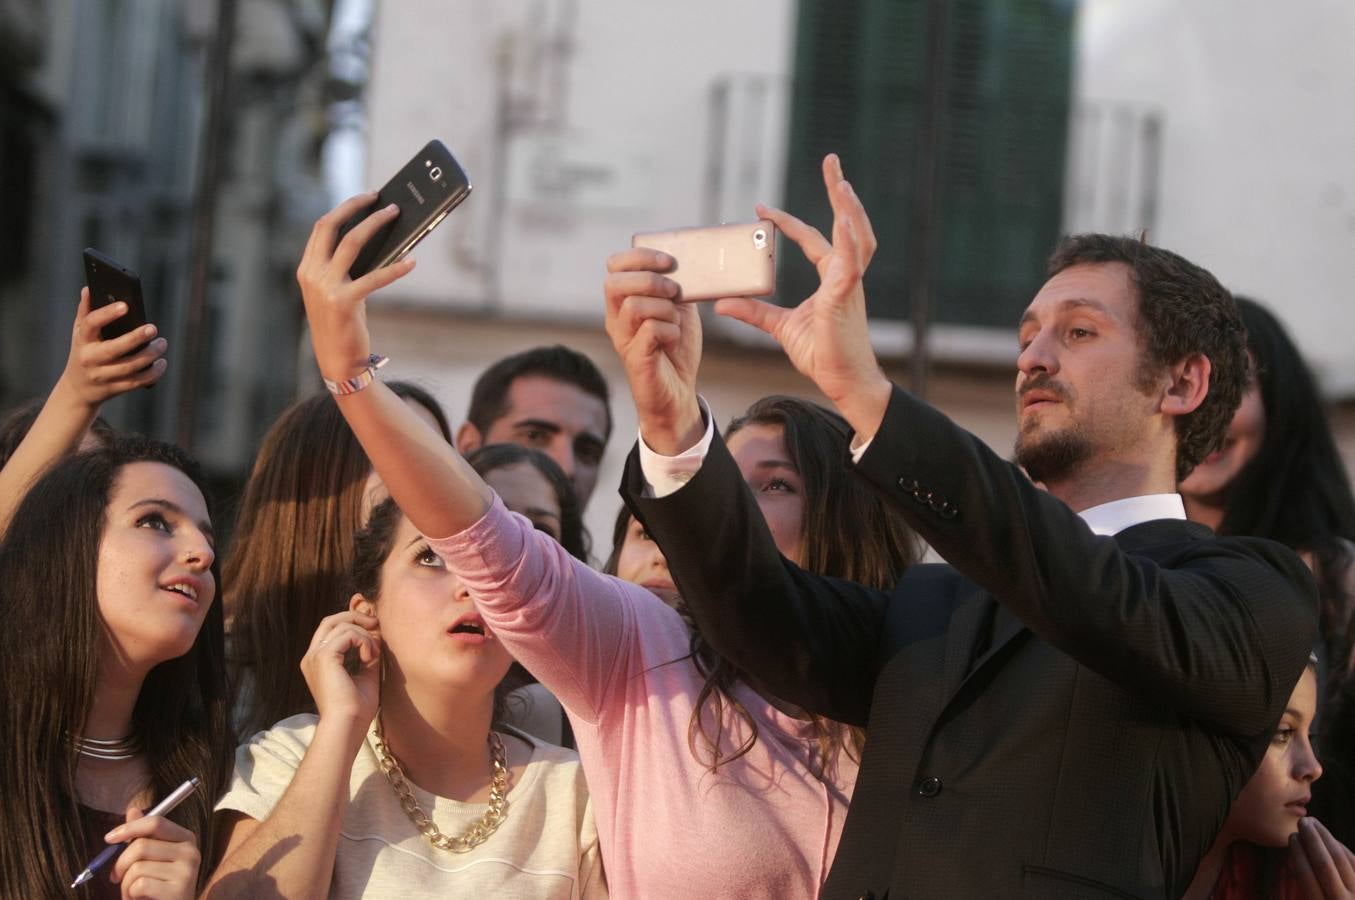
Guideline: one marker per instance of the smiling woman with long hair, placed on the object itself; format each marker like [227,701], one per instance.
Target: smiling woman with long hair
[113,685]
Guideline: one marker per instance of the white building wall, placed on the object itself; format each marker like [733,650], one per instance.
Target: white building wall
[610,133]
[1258,147]
[579,124]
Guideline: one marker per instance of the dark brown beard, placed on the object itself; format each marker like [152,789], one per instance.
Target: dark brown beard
[1054,458]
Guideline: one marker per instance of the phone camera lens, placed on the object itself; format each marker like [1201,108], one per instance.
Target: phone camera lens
[435,173]
[759,239]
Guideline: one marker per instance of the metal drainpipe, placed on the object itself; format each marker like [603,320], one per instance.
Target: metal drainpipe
[204,220]
[922,246]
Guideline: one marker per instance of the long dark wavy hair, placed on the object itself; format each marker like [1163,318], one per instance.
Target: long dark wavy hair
[1295,489]
[48,569]
[847,531]
[289,564]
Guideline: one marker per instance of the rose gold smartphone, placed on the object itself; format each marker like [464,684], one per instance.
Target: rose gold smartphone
[719,261]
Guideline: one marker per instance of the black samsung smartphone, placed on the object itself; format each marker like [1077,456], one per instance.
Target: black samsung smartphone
[430,185]
[110,281]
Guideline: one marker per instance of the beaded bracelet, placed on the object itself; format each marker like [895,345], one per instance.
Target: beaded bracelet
[358,381]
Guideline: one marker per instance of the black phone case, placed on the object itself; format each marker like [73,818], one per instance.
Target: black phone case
[109,281]
[429,186]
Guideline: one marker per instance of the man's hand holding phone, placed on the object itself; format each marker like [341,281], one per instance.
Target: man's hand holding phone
[656,329]
[827,336]
[658,338]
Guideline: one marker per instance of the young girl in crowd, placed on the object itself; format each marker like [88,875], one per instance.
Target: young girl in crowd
[1249,859]
[703,786]
[114,687]
[637,558]
[96,370]
[405,783]
[1278,475]
[292,553]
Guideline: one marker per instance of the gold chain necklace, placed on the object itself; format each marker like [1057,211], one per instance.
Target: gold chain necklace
[479,831]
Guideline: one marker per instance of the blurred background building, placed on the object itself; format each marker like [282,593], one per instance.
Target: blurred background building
[976,131]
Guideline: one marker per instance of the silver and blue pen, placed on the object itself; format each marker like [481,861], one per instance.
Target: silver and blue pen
[110,853]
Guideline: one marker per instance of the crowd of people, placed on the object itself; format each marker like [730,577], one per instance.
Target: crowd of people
[407,675]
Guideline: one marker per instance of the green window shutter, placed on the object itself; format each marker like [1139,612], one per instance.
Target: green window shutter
[858,80]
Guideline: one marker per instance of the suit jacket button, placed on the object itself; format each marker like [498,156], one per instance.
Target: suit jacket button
[929,787]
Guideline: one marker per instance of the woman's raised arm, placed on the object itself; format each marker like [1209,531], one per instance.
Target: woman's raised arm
[439,492]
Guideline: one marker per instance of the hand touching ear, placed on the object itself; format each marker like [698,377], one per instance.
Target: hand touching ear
[348,700]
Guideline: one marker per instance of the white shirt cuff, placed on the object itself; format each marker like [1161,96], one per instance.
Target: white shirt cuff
[665,474]
[860,451]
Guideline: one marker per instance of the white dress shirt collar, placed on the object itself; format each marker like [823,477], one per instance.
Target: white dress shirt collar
[665,474]
[1117,515]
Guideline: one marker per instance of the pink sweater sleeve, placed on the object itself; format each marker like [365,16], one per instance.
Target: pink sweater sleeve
[576,630]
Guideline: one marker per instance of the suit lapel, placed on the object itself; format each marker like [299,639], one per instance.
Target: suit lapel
[988,618]
[1006,629]
[968,626]
[981,615]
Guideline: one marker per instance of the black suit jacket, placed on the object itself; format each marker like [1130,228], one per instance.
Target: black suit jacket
[1059,715]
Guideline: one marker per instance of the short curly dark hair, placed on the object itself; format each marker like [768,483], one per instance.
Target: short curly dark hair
[1182,310]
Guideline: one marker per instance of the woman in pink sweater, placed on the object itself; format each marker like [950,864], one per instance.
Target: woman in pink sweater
[701,785]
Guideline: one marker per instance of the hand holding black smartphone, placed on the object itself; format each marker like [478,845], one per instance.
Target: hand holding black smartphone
[430,185]
[110,281]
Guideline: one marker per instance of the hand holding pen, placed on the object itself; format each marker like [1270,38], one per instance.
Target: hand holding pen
[161,858]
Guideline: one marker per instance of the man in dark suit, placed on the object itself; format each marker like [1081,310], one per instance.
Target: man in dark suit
[1069,707]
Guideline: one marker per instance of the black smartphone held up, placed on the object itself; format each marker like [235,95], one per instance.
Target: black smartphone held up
[430,185]
[110,281]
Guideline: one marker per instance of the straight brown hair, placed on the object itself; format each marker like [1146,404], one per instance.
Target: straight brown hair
[289,564]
